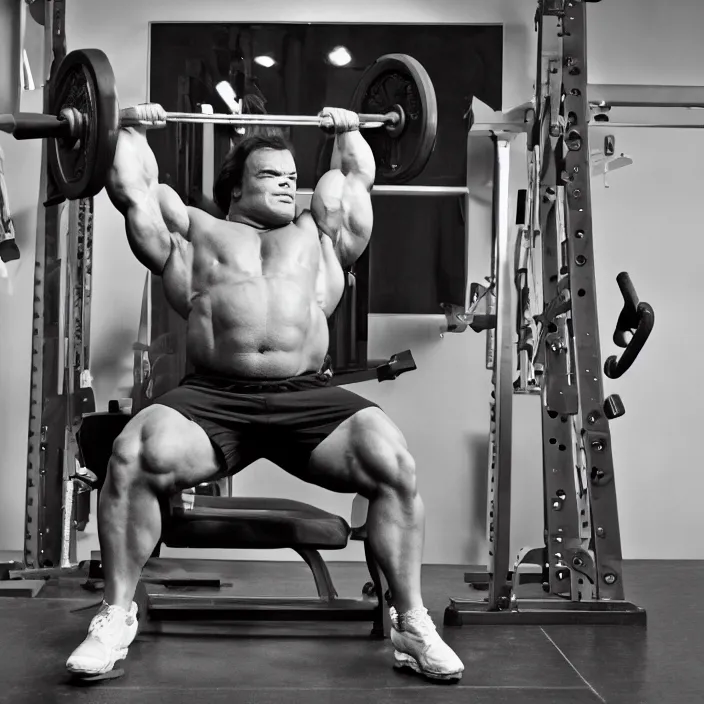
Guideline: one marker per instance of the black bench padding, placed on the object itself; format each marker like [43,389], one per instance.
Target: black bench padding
[252,523]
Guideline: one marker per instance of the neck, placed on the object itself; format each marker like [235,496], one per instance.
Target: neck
[234,215]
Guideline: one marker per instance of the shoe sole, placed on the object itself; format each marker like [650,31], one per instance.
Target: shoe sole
[119,654]
[402,661]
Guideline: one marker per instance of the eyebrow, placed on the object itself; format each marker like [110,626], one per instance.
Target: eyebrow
[276,172]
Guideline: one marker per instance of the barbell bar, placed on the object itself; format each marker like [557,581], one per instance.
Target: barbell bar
[390,120]
[69,124]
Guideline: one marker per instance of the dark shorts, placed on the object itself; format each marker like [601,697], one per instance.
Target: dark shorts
[282,421]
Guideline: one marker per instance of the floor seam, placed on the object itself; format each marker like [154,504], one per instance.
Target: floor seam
[569,662]
[236,688]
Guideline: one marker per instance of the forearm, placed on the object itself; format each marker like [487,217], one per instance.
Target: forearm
[134,173]
[341,205]
[353,156]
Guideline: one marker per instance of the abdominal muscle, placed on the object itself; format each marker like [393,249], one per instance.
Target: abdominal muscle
[265,326]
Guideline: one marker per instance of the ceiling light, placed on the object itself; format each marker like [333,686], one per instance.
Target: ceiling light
[339,56]
[265,61]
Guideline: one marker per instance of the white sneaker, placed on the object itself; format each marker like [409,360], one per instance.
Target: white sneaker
[109,635]
[419,646]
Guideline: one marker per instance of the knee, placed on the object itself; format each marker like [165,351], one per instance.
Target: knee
[143,454]
[385,459]
[126,450]
[400,473]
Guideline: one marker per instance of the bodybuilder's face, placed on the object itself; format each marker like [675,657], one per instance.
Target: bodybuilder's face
[268,191]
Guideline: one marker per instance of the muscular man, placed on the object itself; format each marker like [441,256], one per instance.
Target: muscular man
[256,290]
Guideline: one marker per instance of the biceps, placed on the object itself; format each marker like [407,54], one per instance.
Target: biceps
[342,205]
[326,203]
[357,214]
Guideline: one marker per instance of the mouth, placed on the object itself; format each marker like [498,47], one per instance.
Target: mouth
[285,196]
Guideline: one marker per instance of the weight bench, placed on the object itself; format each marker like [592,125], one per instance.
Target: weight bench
[197,521]
[193,520]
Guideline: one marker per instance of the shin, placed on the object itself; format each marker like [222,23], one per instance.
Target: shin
[396,525]
[129,523]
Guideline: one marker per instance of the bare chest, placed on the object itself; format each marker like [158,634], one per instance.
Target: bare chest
[237,252]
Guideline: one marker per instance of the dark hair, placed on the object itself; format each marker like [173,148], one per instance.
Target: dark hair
[232,169]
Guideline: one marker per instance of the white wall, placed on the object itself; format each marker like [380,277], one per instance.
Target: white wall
[442,408]
[647,223]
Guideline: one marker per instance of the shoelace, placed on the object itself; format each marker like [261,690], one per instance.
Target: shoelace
[102,620]
[419,619]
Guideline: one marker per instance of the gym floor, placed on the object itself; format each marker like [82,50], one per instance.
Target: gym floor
[319,663]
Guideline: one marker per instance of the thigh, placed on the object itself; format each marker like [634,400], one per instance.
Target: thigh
[354,458]
[177,452]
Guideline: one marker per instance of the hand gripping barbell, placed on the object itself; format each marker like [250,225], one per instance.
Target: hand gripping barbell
[395,93]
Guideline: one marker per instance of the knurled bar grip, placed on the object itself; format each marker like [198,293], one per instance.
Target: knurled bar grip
[146,115]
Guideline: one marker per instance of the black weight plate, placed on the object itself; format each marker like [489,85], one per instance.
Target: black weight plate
[85,81]
[398,79]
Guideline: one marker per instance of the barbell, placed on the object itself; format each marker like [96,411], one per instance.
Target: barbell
[395,100]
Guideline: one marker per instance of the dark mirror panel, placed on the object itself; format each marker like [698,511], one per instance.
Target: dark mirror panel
[462,60]
[417,255]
